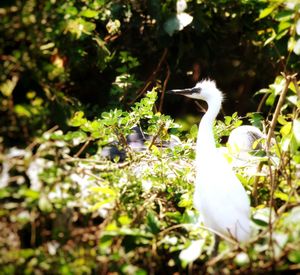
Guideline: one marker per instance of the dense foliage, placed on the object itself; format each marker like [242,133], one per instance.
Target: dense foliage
[76,76]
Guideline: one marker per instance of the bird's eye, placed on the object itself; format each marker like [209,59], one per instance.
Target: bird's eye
[196,90]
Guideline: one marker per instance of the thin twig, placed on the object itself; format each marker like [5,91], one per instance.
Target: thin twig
[230,240]
[255,184]
[261,103]
[156,136]
[270,134]
[82,148]
[73,159]
[104,168]
[271,204]
[272,128]
[281,100]
[164,87]
[151,78]
[92,175]
[35,142]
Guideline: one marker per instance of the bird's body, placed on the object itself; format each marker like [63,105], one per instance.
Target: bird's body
[219,196]
[242,138]
[223,205]
[244,146]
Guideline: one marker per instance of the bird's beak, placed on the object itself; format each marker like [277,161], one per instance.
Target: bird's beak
[186,92]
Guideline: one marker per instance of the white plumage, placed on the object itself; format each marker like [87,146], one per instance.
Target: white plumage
[242,138]
[219,196]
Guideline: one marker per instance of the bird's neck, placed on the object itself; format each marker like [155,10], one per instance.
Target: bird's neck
[205,141]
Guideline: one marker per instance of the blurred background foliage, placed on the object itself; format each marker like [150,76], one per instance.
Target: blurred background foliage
[94,56]
[108,53]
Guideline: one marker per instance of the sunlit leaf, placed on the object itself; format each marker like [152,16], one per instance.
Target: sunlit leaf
[78,119]
[291,44]
[22,110]
[296,47]
[270,99]
[271,38]
[104,190]
[267,11]
[89,13]
[8,86]
[286,129]
[124,220]
[262,216]
[296,129]
[294,100]
[282,120]
[298,27]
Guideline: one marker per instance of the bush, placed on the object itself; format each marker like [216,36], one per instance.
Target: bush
[77,76]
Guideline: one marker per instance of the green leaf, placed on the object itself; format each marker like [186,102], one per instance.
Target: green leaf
[260,222]
[228,120]
[193,131]
[101,203]
[31,194]
[71,10]
[291,44]
[185,200]
[289,142]
[76,137]
[286,129]
[124,220]
[88,26]
[282,196]
[283,26]
[284,15]
[263,91]
[89,13]
[267,11]
[294,256]
[79,26]
[153,222]
[8,86]
[103,190]
[271,38]
[261,216]
[78,119]
[281,119]
[271,99]
[22,111]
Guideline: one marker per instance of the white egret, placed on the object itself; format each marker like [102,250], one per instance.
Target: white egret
[244,142]
[242,139]
[219,196]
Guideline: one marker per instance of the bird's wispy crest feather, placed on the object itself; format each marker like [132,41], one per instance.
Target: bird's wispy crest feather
[210,84]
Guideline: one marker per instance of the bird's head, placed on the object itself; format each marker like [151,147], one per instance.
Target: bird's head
[204,90]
